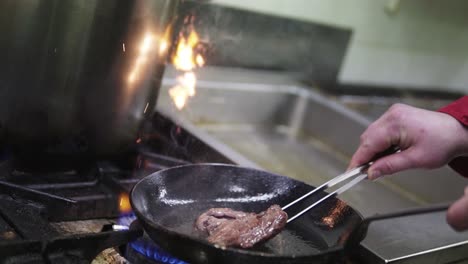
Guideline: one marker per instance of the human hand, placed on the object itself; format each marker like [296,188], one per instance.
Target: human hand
[427,139]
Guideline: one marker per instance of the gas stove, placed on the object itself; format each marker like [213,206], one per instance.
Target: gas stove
[50,216]
[83,215]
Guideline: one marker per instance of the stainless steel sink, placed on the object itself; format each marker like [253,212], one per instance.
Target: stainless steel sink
[267,120]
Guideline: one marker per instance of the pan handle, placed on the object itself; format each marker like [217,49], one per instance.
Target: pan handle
[360,232]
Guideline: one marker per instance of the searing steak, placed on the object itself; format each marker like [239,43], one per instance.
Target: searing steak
[227,227]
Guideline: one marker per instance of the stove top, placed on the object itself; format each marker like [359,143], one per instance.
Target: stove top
[70,216]
[83,215]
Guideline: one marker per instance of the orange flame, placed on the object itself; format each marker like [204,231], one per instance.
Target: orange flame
[124,203]
[179,96]
[186,60]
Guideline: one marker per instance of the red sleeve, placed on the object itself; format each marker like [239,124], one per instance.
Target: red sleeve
[459,110]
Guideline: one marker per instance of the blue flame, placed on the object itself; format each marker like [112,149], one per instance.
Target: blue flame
[147,248]
[126,219]
[152,251]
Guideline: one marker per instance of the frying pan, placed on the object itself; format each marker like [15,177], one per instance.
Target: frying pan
[168,202]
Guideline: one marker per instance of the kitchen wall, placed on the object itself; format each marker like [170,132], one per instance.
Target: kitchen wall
[238,38]
[420,44]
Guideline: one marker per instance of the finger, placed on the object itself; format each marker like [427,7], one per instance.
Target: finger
[457,214]
[373,141]
[392,164]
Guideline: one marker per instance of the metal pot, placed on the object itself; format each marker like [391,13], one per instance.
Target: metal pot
[79,77]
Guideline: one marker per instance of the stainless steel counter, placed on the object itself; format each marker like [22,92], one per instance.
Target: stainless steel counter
[417,239]
[266,120]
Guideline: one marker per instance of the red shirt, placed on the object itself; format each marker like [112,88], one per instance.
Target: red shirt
[459,110]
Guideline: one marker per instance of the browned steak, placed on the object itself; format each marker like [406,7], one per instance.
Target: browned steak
[226,227]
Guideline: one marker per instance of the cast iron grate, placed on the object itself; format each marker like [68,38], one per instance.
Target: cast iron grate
[31,204]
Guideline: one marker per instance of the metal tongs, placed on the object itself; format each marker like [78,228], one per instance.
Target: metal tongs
[357,175]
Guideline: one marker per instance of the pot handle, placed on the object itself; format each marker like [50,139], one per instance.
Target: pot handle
[360,232]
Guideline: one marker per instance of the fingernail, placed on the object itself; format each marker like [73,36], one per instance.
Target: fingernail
[375,174]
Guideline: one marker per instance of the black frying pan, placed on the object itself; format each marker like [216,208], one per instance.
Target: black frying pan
[168,202]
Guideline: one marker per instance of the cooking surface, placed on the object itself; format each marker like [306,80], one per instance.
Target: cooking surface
[430,232]
[178,143]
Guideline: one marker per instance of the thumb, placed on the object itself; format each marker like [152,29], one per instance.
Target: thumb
[391,164]
[457,214]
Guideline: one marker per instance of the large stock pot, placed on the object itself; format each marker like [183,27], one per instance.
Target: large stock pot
[78,77]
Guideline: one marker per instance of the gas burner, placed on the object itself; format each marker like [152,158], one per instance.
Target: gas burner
[144,250]
[58,216]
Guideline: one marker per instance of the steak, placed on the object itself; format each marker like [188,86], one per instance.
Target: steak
[226,227]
